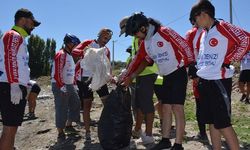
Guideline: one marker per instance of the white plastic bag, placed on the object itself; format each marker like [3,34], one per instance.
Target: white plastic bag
[98,63]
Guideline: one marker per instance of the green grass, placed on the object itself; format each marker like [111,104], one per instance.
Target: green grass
[240,118]
[190,110]
[241,122]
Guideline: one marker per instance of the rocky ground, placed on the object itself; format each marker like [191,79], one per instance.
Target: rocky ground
[41,134]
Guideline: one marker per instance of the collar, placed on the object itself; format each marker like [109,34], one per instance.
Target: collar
[151,31]
[214,24]
[20,31]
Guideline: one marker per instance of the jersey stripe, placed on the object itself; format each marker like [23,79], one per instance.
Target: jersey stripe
[12,42]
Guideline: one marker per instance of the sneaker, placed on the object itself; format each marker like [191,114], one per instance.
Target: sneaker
[136,134]
[243,97]
[88,136]
[200,137]
[162,145]
[177,147]
[247,101]
[70,130]
[61,138]
[32,116]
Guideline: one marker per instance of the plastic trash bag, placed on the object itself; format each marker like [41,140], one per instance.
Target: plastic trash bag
[96,61]
[115,124]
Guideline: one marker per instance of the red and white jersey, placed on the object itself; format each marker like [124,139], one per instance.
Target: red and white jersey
[166,48]
[245,62]
[192,37]
[14,59]
[222,44]
[63,69]
[78,51]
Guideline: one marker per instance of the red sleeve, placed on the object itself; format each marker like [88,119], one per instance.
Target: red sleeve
[190,37]
[139,57]
[12,41]
[238,43]
[60,59]
[248,34]
[78,51]
[178,43]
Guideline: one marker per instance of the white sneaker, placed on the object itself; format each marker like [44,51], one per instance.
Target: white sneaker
[142,135]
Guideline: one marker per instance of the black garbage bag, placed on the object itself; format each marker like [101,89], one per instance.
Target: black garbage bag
[115,124]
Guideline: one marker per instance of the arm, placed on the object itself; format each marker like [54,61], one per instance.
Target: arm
[78,51]
[12,42]
[179,43]
[190,39]
[239,39]
[137,65]
[128,80]
[59,65]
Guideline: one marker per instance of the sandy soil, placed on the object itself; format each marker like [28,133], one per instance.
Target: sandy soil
[41,134]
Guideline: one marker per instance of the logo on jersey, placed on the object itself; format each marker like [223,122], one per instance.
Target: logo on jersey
[213,42]
[160,44]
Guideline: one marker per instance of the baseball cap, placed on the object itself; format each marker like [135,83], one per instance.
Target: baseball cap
[23,12]
[123,24]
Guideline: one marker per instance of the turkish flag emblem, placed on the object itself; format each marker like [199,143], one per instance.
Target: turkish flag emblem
[160,44]
[213,42]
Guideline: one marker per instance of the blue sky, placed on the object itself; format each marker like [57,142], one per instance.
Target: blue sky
[86,18]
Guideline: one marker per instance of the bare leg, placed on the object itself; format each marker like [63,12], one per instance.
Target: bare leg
[242,87]
[166,120]
[231,138]
[178,111]
[139,120]
[32,101]
[215,137]
[86,114]
[158,107]
[60,130]
[248,89]
[7,139]
[149,123]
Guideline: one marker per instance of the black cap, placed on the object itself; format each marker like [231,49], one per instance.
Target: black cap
[26,14]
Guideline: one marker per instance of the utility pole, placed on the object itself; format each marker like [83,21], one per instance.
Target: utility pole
[113,54]
[230,10]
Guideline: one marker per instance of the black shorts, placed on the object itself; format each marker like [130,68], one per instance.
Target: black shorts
[159,90]
[215,102]
[244,76]
[87,92]
[80,87]
[12,115]
[174,87]
[35,89]
[144,93]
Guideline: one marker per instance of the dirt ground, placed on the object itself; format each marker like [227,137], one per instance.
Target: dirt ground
[41,134]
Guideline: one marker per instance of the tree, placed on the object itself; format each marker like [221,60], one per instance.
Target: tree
[48,55]
[41,55]
[36,47]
